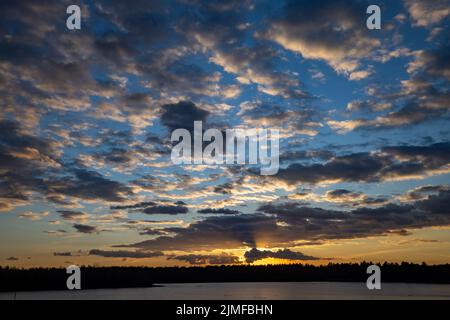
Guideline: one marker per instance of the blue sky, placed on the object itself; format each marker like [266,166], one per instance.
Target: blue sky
[86,117]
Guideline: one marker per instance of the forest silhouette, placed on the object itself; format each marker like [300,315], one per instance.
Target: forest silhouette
[15,279]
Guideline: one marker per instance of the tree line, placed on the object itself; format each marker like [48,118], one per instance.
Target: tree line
[16,279]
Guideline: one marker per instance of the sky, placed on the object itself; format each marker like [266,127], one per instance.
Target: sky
[86,116]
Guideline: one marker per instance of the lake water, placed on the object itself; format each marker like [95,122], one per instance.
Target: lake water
[250,290]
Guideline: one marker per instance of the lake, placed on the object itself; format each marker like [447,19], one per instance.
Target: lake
[249,291]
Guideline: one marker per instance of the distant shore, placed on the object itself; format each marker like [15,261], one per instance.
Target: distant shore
[13,279]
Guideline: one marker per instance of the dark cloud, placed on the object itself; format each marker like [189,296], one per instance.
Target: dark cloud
[341,192]
[182,115]
[224,188]
[218,211]
[156,207]
[26,159]
[12,259]
[436,203]
[125,254]
[346,198]
[84,228]
[165,210]
[435,62]
[199,259]
[214,232]
[287,223]
[91,185]
[388,163]
[355,167]
[435,155]
[62,254]
[423,192]
[23,160]
[137,101]
[72,215]
[13,137]
[115,156]
[255,255]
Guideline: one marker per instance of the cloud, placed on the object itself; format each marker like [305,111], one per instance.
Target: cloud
[12,259]
[60,80]
[389,163]
[289,120]
[119,159]
[165,210]
[26,159]
[297,155]
[84,228]
[139,205]
[59,232]
[427,13]
[73,215]
[221,34]
[156,207]
[255,255]
[361,222]
[433,62]
[423,97]
[90,185]
[359,105]
[152,232]
[33,216]
[227,231]
[5,206]
[410,114]
[62,254]
[333,31]
[346,197]
[218,211]
[23,159]
[422,192]
[171,72]
[125,254]
[286,224]
[256,66]
[182,115]
[199,259]
[63,78]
